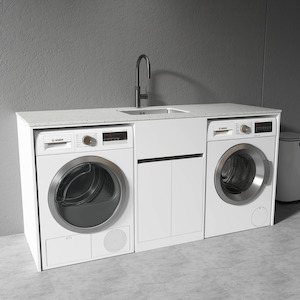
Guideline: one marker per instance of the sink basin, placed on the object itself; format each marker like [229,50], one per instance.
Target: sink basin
[154,111]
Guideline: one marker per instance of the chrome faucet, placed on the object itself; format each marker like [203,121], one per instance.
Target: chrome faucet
[138,95]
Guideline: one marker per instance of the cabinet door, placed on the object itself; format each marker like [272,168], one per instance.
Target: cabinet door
[154,201]
[187,195]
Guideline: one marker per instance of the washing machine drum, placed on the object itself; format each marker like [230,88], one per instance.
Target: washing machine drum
[241,174]
[88,194]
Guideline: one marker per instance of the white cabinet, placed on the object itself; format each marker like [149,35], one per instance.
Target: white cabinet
[170,198]
[170,203]
[170,170]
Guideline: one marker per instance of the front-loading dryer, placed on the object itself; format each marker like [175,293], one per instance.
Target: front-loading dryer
[85,194]
[240,174]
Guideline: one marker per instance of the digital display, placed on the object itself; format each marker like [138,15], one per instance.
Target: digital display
[263,127]
[114,136]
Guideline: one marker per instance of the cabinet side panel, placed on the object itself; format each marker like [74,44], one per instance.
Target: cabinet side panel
[274,180]
[28,189]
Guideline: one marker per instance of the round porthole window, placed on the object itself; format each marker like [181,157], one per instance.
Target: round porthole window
[241,173]
[87,194]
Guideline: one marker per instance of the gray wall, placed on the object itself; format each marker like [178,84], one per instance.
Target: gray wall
[282,63]
[66,54]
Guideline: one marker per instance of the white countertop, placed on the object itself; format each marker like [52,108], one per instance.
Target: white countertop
[83,117]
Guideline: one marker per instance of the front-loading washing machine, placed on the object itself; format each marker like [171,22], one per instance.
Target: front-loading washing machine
[240,174]
[85,194]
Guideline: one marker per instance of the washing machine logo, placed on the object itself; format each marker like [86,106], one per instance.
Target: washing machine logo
[57,140]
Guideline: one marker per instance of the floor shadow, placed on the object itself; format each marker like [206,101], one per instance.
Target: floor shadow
[284,210]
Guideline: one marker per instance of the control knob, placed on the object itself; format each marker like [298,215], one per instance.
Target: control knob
[89,141]
[245,129]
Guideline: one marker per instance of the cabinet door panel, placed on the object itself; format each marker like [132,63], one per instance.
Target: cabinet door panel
[154,201]
[187,195]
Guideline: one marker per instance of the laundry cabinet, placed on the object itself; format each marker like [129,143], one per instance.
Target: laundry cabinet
[170,182]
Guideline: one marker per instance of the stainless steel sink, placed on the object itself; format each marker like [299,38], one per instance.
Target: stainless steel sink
[154,111]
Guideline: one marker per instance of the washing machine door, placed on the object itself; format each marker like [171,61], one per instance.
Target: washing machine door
[241,174]
[88,194]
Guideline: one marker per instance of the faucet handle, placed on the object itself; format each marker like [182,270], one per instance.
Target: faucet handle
[145,95]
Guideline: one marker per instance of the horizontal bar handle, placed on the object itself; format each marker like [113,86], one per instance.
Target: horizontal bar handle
[147,160]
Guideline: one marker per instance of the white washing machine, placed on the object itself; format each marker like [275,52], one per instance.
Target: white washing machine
[240,174]
[85,194]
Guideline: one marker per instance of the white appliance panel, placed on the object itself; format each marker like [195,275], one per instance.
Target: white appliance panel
[60,245]
[222,217]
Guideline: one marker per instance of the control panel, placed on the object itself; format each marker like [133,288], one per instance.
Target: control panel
[241,128]
[92,140]
[98,138]
[114,136]
[263,127]
[84,139]
[255,127]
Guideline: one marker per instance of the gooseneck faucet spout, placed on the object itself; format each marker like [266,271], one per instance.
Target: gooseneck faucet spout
[138,95]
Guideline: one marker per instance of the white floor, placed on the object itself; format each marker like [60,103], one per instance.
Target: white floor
[256,264]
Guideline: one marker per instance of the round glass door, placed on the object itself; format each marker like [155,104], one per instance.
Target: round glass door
[87,194]
[241,173]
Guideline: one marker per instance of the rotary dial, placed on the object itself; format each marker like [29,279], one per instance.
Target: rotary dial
[245,129]
[89,140]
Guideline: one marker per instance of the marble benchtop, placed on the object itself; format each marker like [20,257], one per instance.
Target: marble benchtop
[84,117]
